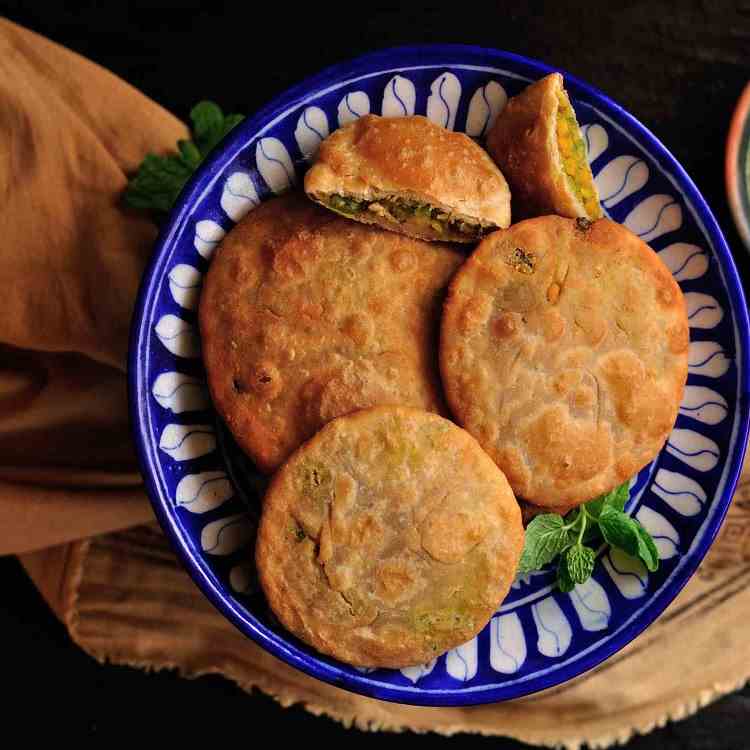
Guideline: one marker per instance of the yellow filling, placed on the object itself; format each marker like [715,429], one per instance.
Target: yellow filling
[573,158]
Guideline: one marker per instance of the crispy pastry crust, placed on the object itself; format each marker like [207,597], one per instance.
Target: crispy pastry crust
[411,157]
[564,352]
[523,142]
[305,316]
[387,539]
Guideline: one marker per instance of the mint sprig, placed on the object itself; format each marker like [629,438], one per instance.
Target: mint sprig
[159,179]
[546,537]
[551,536]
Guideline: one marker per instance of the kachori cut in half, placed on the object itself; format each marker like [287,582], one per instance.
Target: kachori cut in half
[564,352]
[412,176]
[388,539]
[306,316]
[538,144]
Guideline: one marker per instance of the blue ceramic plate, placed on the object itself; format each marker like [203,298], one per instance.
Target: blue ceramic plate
[205,493]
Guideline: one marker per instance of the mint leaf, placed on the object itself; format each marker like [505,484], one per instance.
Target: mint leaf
[210,125]
[578,562]
[159,179]
[594,507]
[624,532]
[614,499]
[546,536]
[189,153]
[157,183]
[564,582]
[618,497]
[208,121]
[619,530]
[647,550]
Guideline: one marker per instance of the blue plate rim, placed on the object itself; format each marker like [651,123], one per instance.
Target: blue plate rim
[139,332]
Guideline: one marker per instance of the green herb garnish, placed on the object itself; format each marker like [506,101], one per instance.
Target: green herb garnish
[159,179]
[551,536]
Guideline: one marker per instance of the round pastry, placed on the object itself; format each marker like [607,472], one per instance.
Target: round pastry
[564,352]
[412,176]
[306,316]
[538,144]
[388,539]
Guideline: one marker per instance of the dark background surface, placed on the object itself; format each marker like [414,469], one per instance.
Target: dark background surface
[678,67]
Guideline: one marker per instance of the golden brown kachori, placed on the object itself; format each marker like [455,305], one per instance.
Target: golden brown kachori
[564,352]
[389,538]
[538,144]
[412,176]
[306,316]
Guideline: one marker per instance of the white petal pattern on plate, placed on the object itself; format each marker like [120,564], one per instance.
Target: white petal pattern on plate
[655,216]
[227,535]
[620,178]
[596,139]
[274,164]
[592,605]
[187,441]
[185,285]
[685,261]
[312,128]
[399,98]
[208,234]
[180,393]
[507,643]
[694,449]
[665,536]
[178,336]
[242,578]
[627,573]
[552,627]
[703,310]
[442,103]
[239,196]
[683,494]
[485,105]
[202,492]
[353,106]
[704,404]
[418,672]
[708,358]
[461,663]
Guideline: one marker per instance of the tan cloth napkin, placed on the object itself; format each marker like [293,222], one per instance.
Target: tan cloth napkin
[70,260]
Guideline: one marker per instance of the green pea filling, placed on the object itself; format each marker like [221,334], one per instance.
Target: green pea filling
[346,205]
[575,164]
[403,210]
